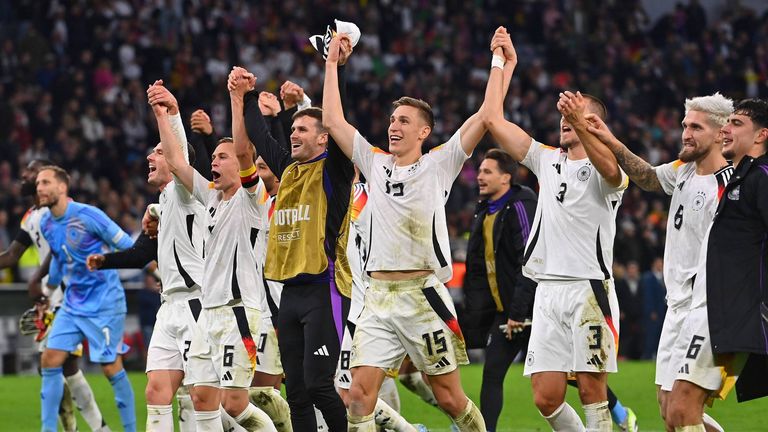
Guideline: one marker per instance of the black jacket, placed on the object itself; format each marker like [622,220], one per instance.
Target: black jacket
[510,233]
[737,258]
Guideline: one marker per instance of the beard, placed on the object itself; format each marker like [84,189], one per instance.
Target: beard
[566,144]
[28,189]
[693,155]
[51,203]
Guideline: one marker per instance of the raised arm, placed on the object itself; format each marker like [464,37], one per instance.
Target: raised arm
[474,127]
[240,82]
[270,108]
[275,154]
[573,108]
[510,136]
[161,99]
[342,132]
[638,170]
[203,142]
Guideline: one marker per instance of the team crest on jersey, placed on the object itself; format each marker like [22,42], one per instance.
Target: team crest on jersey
[699,200]
[584,173]
[75,233]
[734,193]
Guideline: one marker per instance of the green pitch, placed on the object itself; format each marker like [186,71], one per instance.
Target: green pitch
[20,405]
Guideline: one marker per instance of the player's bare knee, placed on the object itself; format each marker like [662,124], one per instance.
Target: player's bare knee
[547,403]
[111,369]
[205,398]
[52,358]
[591,394]
[453,404]
[234,403]
[361,400]
[676,412]
[157,393]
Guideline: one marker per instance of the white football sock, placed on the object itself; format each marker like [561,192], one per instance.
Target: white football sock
[159,418]
[86,403]
[598,417]
[564,419]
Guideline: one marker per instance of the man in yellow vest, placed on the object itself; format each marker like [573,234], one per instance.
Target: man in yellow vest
[306,251]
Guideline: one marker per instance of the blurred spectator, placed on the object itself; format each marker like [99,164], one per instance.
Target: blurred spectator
[654,306]
[630,295]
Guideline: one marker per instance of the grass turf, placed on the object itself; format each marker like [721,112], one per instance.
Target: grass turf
[20,405]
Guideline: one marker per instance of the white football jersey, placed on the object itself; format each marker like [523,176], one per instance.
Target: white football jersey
[699,291]
[181,234]
[693,206]
[232,268]
[357,248]
[30,223]
[575,220]
[408,230]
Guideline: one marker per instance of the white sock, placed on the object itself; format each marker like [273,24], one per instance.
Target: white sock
[320,420]
[389,419]
[208,421]
[159,418]
[83,397]
[693,428]
[565,419]
[269,400]
[254,419]
[360,423]
[67,411]
[186,410]
[711,424]
[388,393]
[598,417]
[470,419]
[415,383]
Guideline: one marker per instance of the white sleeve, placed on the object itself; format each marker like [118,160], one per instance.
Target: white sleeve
[532,159]
[202,187]
[258,199]
[305,103]
[450,157]
[667,175]
[609,189]
[177,126]
[181,192]
[363,153]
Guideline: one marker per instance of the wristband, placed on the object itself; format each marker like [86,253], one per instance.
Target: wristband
[498,62]
[305,102]
[249,177]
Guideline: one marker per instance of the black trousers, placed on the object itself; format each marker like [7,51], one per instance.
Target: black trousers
[309,332]
[499,355]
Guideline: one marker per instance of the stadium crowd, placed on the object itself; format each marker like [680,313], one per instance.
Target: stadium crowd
[73,79]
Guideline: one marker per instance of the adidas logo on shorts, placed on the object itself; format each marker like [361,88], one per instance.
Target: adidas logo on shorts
[442,363]
[322,351]
[344,379]
[227,376]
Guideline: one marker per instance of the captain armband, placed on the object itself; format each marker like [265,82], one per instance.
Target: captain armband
[249,177]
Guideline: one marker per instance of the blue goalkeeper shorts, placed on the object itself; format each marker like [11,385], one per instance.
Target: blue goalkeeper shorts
[104,335]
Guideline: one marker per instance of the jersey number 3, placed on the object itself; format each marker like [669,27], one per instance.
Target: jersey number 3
[394,189]
[561,195]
